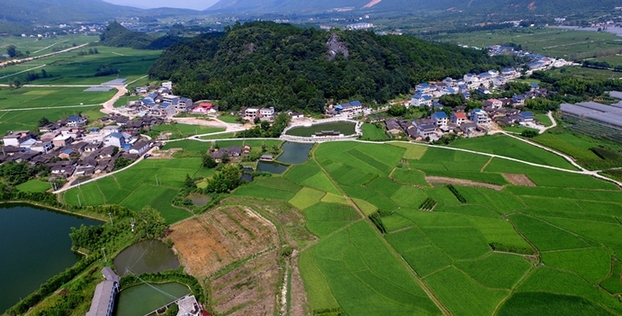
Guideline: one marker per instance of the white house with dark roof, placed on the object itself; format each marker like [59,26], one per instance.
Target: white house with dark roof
[140,147]
[114,139]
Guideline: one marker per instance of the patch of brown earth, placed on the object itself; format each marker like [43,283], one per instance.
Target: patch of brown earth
[463,182]
[214,240]
[519,179]
[249,289]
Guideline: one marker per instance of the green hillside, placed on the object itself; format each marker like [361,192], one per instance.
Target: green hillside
[262,63]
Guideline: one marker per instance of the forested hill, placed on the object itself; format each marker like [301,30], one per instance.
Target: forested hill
[268,64]
[116,35]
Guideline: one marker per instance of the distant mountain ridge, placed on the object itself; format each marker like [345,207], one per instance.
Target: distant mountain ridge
[63,11]
[497,6]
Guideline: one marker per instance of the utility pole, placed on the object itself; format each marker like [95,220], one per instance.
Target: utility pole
[79,200]
[110,215]
[104,250]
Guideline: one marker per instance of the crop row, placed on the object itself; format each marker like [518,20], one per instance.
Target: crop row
[427,205]
[457,194]
[376,219]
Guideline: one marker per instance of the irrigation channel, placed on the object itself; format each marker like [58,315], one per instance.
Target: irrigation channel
[35,246]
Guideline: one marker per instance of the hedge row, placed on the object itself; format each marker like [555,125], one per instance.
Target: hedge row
[377,220]
[457,194]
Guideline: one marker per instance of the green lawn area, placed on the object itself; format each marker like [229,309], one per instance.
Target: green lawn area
[228,118]
[372,132]
[543,118]
[34,185]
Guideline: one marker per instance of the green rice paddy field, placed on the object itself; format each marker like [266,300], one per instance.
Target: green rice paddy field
[482,257]
[568,44]
[549,249]
[70,68]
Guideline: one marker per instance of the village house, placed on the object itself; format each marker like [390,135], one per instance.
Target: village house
[266,113]
[493,104]
[393,126]
[62,141]
[425,127]
[250,113]
[114,139]
[62,168]
[204,108]
[458,118]
[518,99]
[479,117]
[440,119]
[525,117]
[140,147]
[76,121]
[16,138]
[42,146]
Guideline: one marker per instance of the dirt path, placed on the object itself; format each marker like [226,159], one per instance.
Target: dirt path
[463,182]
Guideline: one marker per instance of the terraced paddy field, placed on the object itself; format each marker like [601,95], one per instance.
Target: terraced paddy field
[478,251]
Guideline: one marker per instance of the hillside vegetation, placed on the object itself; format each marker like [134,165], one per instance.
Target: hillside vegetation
[503,7]
[116,35]
[263,63]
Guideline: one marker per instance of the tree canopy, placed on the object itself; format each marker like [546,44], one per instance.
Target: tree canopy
[269,64]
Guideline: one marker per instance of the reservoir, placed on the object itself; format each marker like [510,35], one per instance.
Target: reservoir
[271,167]
[295,153]
[346,128]
[147,256]
[35,246]
[142,299]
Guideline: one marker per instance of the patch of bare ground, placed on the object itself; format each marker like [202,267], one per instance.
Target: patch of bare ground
[238,251]
[249,289]
[463,182]
[212,241]
[519,179]
[164,154]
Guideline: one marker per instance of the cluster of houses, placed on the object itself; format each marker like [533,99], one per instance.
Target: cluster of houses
[349,109]
[427,92]
[536,62]
[69,148]
[231,152]
[161,102]
[475,123]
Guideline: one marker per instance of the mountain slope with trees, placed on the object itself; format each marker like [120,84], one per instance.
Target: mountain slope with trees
[268,64]
[63,11]
[558,7]
[116,35]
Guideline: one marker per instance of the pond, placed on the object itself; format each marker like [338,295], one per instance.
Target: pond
[271,167]
[35,246]
[199,199]
[147,256]
[142,299]
[295,153]
[346,128]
